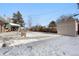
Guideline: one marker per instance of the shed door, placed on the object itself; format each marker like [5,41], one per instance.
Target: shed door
[78,28]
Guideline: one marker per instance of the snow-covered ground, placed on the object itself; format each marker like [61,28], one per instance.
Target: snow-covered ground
[38,44]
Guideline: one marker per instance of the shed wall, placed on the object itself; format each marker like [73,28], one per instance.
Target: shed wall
[67,28]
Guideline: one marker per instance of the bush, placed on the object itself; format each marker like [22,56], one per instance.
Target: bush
[43,29]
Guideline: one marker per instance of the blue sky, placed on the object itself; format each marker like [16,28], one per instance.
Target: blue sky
[41,13]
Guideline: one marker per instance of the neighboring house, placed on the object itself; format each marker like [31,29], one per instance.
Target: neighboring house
[68,27]
[6,25]
[12,26]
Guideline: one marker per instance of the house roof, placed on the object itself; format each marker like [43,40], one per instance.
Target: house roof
[13,24]
[2,19]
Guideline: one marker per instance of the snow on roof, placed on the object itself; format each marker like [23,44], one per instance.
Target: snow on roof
[13,24]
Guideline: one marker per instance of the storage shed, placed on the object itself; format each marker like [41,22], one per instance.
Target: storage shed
[68,27]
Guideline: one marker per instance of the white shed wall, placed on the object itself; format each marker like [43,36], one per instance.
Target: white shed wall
[67,28]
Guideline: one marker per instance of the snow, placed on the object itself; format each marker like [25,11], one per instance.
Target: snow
[13,24]
[38,44]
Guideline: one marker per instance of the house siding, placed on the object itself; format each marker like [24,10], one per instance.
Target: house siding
[1,26]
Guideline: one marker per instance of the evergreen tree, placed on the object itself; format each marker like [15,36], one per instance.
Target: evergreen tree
[17,18]
[52,24]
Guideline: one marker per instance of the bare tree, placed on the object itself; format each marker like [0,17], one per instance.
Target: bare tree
[29,21]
